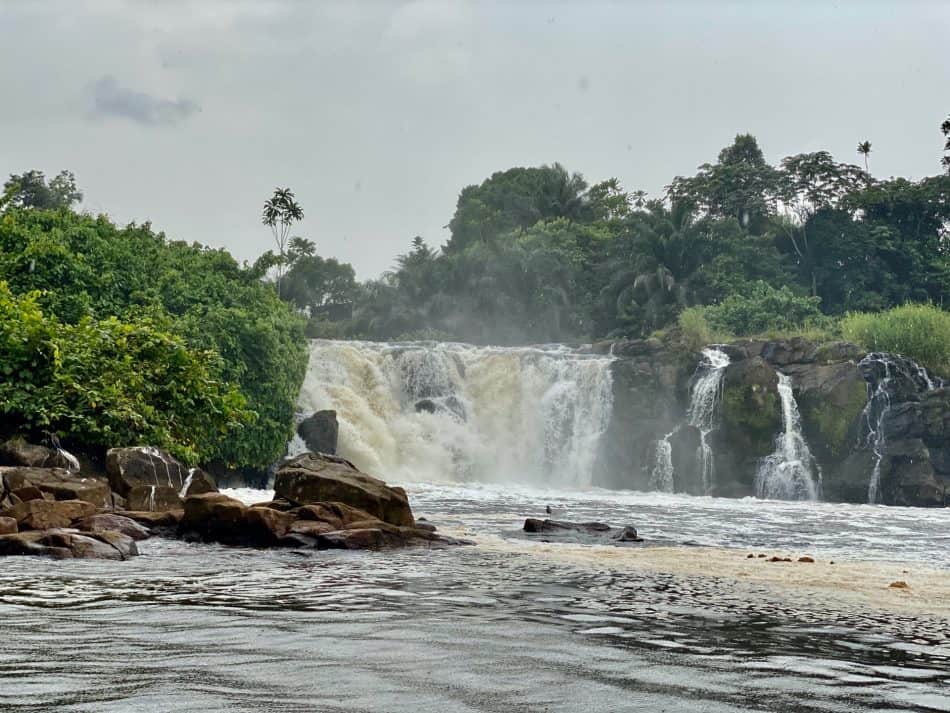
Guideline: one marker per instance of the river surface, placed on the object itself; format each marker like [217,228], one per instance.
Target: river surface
[188,627]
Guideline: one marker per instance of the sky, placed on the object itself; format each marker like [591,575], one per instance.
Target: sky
[376,114]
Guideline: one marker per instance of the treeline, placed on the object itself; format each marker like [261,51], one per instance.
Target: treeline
[538,254]
[117,336]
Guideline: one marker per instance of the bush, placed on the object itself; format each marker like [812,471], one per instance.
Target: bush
[85,268]
[762,308]
[111,382]
[918,331]
[694,328]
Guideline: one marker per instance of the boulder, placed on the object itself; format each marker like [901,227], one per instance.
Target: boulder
[128,468]
[629,534]
[108,545]
[30,544]
[8,526]
[154,498]
[198,482]
[264,526]
[154,520]
[45,514]
[314,478]
[534,525]
[17,451]
[796,350]
[118,523]
[30,492]
[320,431]
[364,539]
[59,483]
[213,517]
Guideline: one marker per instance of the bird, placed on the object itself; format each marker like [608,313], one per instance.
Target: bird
[72,464]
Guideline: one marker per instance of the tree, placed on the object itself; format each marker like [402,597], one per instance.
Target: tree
[865,148]
[945,128]
[281,211]
[30,190]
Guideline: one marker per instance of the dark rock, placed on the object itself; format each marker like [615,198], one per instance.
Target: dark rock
[17,452]
[320,432]
[686,460]
[45,514]
[154,520]
[8,526]
[534,525]
[427,526]
[264,526]
[30,544]
[831,352]
[198,482]
[629,534]
[118,523]
[313,478]
[107,545]
[59,483]
[30,492]
[130,468]
[426,405]
[366,539]
[214,517]
[788,351]
[155,498]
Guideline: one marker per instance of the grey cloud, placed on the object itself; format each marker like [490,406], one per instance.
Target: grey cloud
[111,99]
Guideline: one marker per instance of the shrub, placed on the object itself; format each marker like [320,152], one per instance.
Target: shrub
[918,331]
[762,308]
[111,382]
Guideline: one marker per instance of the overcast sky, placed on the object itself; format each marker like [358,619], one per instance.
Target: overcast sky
[377,113]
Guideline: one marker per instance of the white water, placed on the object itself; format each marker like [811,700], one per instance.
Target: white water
[703,401]
[533,414]
[704,398]
[789,473]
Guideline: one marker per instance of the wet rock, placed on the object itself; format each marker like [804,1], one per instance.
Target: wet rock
[423,525]
[629,534]
[535,525]
[17,452]
[45,514]
[198,482]
[899,584]
[311,528]
[266,527]
[111,521]
[154,520]
[30,492]
[312,478]
[788,351]
[213,517]
[58,483]
[100,545]
[8,526]
[425,405]
[320,432]
[155,498]
[807,559]
[364,539]
[30,544]
[129,468]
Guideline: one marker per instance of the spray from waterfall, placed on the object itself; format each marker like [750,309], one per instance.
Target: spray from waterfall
[791,472]
[441,411]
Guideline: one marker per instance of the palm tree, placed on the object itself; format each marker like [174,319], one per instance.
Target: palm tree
[865,148]
[281,211]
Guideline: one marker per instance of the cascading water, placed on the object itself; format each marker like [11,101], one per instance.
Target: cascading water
[662,478]
[704,397]
[888,375]
[442,411]
[789,473]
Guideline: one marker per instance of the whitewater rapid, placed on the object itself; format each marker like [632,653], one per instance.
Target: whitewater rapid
[445,412]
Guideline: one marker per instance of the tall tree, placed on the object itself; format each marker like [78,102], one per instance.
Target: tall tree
[945,128]
[281,211]
[30,190]
[864,148]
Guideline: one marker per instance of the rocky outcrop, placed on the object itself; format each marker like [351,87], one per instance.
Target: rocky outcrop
[58,483]
[588,531]
[859,414]
[45,514]
[320,432]
[64,543]
[148,478]
[319,478]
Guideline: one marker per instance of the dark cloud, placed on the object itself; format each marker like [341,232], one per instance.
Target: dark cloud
[109,98]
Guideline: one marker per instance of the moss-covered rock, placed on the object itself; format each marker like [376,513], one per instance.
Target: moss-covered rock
[751,408]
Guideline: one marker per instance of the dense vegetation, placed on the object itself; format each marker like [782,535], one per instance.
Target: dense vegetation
[537,254]
[116,336]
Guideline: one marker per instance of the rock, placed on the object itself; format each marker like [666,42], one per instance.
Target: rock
[365,539]
[129,468]
[426,405]
[118,502]
[153,520]
[838,351]
[8,526]
[214,517]
[87,546]
[110,521]
[17,452]
[198,482]
[629,534]
[899,584]
[312,478]
[534,525]
[29,492]
[788,351]
[686,459]
[29,544]
[155,498]
[422,525]
[59,483]
[320,432]
[45,514]
[311,528]
[264,526]
[806,558]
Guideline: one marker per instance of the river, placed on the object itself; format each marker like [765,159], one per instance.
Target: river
[684,622]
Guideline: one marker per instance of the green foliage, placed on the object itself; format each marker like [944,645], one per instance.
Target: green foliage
[88,269]
[695,330]
[918,331]
[30,190]
[761,308]
[107,382]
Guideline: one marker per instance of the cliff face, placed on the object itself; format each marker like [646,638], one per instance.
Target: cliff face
[877,427]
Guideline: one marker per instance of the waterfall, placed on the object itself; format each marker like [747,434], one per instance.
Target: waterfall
[442,411]
[703,400]
[789,473]
[887,375]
